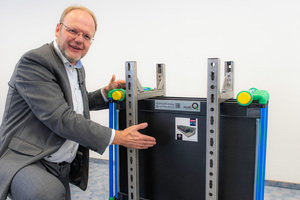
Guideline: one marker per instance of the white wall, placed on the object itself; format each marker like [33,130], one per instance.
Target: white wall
[262,37]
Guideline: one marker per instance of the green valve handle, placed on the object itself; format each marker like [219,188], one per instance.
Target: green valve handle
[246,97]
[120,94]
[117,94]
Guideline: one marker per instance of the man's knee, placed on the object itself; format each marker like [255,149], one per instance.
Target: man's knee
[51,192]
[57,192]
[35,183]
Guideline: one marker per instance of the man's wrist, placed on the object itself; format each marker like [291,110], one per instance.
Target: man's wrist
[105,92]
[113,135]
[116,138]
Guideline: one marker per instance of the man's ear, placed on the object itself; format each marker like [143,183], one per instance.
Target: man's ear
[57,29]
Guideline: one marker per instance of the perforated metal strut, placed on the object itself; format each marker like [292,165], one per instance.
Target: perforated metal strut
[135,92]
[132,119]
[214,98]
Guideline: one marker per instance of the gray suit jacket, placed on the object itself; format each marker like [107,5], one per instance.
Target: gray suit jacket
[39,116]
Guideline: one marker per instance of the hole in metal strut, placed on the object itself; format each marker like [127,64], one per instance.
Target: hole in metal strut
[211,142]
[129,86]
[210,184]
[212,98]
[128,66]
[228,66]
[159,66]
[212,120]
[228,69]
[212,75]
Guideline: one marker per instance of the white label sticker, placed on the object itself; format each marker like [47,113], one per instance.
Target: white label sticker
[186,129]
[192,106]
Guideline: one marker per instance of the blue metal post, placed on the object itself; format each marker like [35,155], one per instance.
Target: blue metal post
[262,149]
[116,155]
[111,159]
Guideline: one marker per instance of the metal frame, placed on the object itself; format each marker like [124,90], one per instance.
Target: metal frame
[135,92]
[214,98]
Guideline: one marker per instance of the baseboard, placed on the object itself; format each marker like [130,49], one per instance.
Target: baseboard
[99,160]
[294,186]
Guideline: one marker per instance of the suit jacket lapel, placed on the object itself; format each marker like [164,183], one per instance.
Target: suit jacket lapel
[81,82]
[67,92]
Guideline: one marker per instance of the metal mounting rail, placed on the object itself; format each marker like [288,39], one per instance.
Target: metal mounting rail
[214,98]
[135,92]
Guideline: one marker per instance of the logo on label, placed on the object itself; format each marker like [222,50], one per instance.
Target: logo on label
[195,106]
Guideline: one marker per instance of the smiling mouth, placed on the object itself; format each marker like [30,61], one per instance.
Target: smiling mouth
[74,47]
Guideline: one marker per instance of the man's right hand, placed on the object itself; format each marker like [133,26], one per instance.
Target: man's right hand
[132,138]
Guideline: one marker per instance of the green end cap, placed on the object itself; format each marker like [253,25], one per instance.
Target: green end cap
[245,98]
[117,94]
[120,94]
[262,96]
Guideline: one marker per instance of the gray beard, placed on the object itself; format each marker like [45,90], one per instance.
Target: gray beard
[71,60]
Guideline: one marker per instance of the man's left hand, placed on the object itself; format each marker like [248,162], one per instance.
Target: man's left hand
[114,84]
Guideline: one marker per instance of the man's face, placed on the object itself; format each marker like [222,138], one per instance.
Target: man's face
[74,46]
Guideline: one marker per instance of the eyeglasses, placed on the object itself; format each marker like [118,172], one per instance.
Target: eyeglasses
[75,33]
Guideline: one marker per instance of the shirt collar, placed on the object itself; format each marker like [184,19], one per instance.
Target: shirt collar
[78,64]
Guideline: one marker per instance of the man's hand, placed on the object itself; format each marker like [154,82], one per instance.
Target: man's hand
[132,138]
[114,84]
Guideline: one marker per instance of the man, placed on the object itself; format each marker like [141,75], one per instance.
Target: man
[46,132]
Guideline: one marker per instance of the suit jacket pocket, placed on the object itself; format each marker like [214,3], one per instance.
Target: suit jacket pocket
[24,147]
